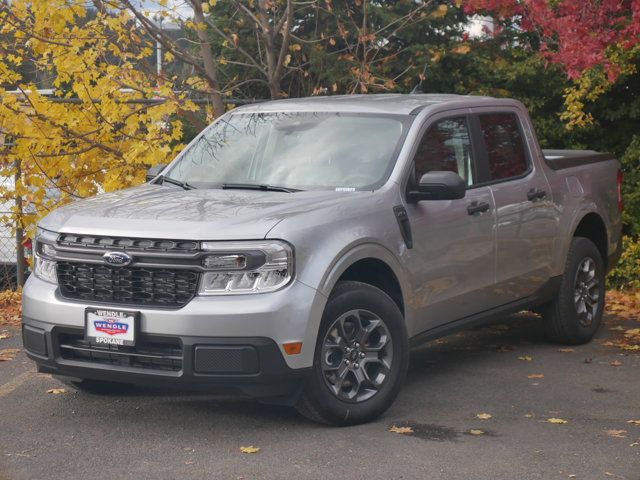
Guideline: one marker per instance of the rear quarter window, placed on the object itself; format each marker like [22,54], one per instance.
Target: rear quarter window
[504,145]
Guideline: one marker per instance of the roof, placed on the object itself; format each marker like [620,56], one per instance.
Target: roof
[389,103]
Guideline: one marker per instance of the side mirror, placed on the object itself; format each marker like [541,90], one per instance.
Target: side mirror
[438,185]
[154,171]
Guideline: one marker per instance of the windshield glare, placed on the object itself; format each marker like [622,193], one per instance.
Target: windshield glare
[298,150]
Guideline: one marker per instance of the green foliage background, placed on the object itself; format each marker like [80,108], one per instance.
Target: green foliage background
[507,65]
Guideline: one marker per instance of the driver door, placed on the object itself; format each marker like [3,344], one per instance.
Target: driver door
[452,262]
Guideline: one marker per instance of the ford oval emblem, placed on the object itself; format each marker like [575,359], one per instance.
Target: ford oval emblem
[117,259]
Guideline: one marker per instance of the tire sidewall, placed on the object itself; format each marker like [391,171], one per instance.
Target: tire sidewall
[349,296]
[580,249]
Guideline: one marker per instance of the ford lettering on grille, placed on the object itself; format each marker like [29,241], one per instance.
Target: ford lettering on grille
[117,259]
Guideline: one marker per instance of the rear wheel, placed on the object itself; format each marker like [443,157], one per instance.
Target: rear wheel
[575,315]
[361,357]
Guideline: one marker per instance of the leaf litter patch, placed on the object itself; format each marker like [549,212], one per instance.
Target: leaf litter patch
[436,433]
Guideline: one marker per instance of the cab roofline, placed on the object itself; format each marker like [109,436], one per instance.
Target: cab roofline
[388,103]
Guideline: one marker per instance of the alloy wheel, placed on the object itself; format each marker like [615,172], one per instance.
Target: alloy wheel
[586,292]
[356,356]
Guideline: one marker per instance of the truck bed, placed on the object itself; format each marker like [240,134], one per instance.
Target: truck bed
[561,159]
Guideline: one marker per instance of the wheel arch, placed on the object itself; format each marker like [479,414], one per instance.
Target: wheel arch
[592,226]
[374,265]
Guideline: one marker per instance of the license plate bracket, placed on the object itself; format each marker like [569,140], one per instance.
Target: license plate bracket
[104,326]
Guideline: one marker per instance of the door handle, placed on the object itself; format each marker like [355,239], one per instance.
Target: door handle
[536,194]
[477,207]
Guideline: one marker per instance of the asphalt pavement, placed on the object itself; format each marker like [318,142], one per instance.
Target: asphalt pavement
[480,405]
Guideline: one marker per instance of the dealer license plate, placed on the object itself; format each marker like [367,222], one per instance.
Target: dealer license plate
[110,327]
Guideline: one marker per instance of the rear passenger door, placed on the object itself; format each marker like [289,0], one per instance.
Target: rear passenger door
[525,216]
[452,259]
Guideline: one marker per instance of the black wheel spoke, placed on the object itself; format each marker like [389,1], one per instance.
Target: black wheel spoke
[356,355]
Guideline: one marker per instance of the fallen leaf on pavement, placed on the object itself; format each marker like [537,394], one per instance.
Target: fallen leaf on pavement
[56,391]
[631,347]
[484,416]
[8,354]
[566,350]
[11,307]
[634,422]
[475,431]
[616,433]
[505,348]
[250,449]
[3,336]
[557,420]
[535,375]
[632,333]
[529,415]
[616,363]
[395,429]
[526,358]
[634,444]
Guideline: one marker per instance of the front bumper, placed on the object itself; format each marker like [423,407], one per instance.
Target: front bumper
[230,342]
[250,365]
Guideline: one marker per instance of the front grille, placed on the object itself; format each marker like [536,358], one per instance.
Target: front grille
[127,244]
[155,287]
[150,353]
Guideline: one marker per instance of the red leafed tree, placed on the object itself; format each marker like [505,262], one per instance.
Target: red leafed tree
[578,34]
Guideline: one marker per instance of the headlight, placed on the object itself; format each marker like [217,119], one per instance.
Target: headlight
[246,267]
[44,251]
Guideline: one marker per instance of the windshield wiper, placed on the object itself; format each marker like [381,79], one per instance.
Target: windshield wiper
[263,187]
[173,181]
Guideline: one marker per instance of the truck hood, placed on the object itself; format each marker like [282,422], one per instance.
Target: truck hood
[173,213]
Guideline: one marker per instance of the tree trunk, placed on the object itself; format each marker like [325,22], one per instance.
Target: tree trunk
[208,61]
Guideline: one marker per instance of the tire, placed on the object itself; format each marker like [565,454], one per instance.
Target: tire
[574,316]
[96,387]
[328,396]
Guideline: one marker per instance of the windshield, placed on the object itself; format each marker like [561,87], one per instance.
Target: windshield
[296,150]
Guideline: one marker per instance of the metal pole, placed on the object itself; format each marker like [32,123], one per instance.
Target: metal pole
[159,49]
[20,266]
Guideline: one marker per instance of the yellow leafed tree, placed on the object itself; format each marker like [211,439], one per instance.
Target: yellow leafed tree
[107,118]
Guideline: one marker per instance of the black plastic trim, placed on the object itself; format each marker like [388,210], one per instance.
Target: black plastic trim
[405,226]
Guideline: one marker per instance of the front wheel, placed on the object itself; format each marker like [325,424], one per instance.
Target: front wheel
[361,357]
[575,315]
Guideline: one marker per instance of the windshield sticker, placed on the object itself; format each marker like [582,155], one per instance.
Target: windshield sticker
[345,189]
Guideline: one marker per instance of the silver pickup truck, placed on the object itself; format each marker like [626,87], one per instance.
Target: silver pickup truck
[296,249]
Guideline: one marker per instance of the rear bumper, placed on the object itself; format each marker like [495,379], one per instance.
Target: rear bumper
[250,365]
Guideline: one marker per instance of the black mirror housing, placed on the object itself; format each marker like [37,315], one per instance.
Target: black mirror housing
[438,185]
[154,171]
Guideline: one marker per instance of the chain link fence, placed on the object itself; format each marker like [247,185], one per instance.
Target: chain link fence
[12,261]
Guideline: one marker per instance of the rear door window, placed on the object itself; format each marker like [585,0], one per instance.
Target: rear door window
[504,145]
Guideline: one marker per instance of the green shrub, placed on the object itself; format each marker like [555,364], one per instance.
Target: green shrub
[626,274]
[631,187]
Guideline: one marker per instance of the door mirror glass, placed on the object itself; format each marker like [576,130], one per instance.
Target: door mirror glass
[154,171]
[439,185]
